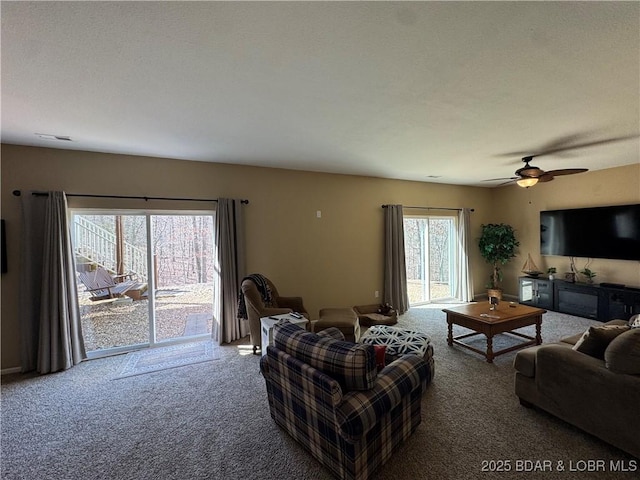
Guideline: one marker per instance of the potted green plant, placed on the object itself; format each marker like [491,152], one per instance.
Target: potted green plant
[551,271]
[498,245]
[589,274]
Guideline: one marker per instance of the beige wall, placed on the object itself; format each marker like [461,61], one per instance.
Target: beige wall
[521,208]
[332,261]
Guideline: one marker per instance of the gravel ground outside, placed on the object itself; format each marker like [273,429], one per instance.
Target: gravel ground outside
[121,322]
[438,291]
[180,310]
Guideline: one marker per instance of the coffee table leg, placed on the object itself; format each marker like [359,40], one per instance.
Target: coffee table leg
[490,355]
[450,336]
[539,331]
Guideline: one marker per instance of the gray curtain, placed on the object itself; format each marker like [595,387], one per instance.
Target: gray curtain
[230,243]
[49,312]
[395,272]
[464,285]
[33,209]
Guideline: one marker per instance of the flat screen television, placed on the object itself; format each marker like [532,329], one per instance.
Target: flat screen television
[598,232]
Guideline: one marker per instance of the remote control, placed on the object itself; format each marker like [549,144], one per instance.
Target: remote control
[296,315]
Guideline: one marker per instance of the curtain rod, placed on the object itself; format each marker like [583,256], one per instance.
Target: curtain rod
[432,208]
[17,193]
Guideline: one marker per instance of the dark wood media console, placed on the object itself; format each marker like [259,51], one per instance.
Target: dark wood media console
[595,301]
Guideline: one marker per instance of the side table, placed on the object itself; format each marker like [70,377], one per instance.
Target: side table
[266,328]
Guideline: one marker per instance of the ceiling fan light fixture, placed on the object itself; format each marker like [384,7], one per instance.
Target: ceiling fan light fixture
[527,182]
[529,171]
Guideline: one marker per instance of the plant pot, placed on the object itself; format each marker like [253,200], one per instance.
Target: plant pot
[494,292]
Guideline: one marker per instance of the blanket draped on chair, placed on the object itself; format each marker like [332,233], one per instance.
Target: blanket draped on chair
[263,288]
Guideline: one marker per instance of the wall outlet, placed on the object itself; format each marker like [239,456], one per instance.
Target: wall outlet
[377,293]
[318,214]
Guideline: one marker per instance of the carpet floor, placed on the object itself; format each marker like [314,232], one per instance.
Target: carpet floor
[211,421]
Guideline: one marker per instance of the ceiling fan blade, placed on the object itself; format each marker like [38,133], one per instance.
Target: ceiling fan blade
[503,178]
[546,177]
[594,143]
[565,141]
[566,171]
[568,142]
[507,183]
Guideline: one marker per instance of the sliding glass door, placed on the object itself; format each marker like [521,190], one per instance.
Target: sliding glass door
[183,273]
[143,278]
[430,256]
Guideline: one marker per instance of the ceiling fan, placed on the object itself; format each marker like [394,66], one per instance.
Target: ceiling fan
[529,175]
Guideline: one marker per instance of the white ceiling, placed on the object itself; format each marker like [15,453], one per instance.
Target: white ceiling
[407,90]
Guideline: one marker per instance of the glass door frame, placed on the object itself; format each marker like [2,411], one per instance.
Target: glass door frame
[151,280]
[424,253]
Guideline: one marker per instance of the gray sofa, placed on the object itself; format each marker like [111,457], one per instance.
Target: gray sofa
[597,391]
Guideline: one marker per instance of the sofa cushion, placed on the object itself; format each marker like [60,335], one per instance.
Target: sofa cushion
[573,339]
[595,340]
[352,365]
[623,353]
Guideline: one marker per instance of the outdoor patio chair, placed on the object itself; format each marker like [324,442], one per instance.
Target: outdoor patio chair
[101,285]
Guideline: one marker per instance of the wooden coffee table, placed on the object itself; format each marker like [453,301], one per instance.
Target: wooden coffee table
[505,319]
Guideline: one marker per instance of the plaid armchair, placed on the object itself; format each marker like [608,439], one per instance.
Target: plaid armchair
[329,396]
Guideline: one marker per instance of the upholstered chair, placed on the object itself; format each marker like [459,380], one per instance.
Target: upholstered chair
[331,397]
[256,307]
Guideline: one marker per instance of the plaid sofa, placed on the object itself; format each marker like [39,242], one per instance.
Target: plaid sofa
[328,395]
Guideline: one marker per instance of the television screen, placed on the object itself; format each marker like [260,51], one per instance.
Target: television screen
[598,232]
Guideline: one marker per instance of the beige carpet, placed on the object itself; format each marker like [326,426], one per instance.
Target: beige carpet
[211,421]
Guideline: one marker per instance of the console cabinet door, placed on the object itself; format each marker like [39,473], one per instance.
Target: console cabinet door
[536,292]
[622,305]
[578,299]
[634,303]
[526,294]
[544,290]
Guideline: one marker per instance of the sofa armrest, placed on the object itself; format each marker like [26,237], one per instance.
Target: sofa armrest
[361,410]
[525,361]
